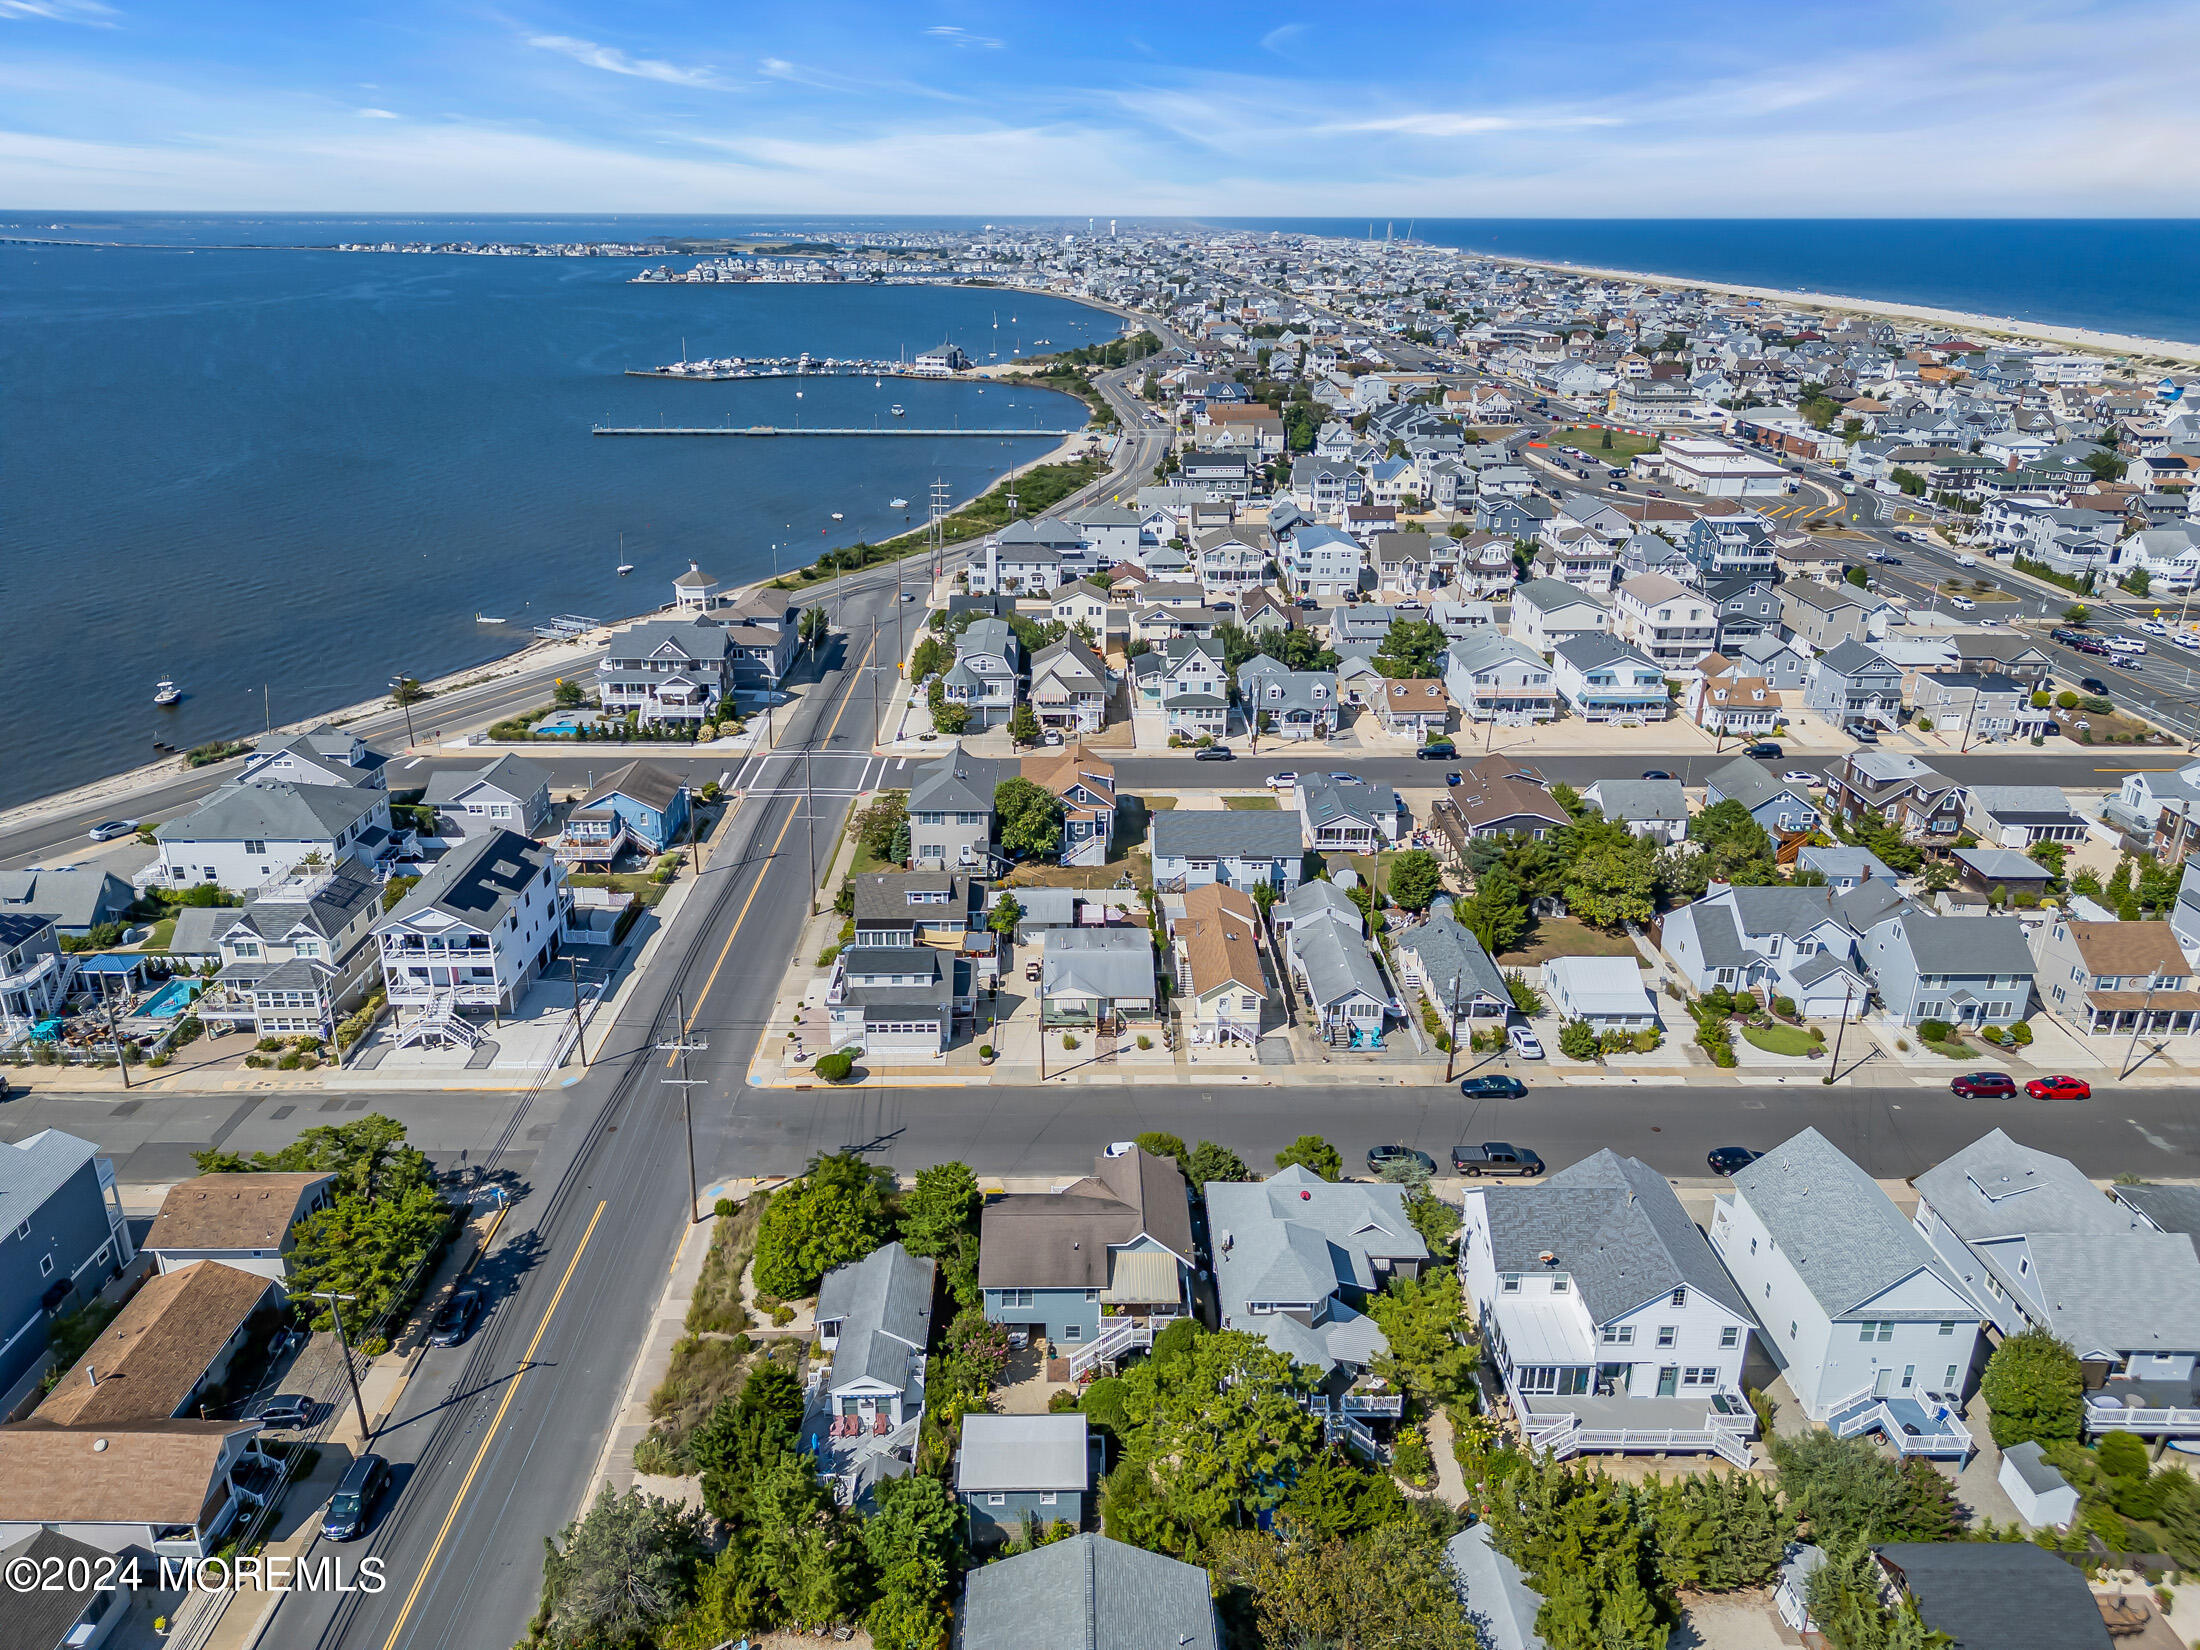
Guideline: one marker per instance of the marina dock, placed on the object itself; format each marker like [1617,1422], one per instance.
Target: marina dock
[811,429]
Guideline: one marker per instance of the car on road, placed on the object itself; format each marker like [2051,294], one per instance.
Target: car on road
[457,1319]
[1799,776]
[108,829]
[2122,663]
[1495,1157]
[363,1485]
[2187,638]
[1343,778]
[908,595]
[2126,644]
[1439,750]
[1617,486]
[1731,1159]
[1655,773]
[2092,684]
[1905,538]
[1886,558]
[1984,1085]
[2088,644]
[1452,777]
[1493,1088]
[2059,1088]
[2154,627]
[288,1409]
[1215,753]
[1656,492]
[1282,781]
[1524,1042]
[1962,604]
[1763,750]
[1380,1158]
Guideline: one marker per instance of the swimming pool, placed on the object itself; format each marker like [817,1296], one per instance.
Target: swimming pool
[169,1001]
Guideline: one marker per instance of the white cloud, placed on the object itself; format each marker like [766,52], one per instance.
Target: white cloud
[963,38]
[1440,125]
[1281,36]
[376,114]
[613,61]
[88,12]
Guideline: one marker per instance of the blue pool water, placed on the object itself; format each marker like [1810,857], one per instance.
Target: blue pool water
[169,1001]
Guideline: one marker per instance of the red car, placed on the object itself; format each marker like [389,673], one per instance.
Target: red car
[1984,1085]
[2059,1088]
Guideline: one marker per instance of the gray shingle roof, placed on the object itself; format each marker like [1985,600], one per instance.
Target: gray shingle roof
[33,1169]
[1999,1595]
[511,773]
[75,896]
[2008,801]
[1295,1238]
[1640,799]
[643,782]
[1498,1600]
[1179,833]
[1446,951]
[1968,945]
[884,1304]
[1616,1228]
[960,783]
[1842,1234]
[1751,784]
[1023,1452]
[1549,595]
[1100,962]
[275,810]
[476,882]
[1325,801]
[1088,1593]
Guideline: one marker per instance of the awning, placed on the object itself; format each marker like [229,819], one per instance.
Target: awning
[1142,1277]
[2160,1001]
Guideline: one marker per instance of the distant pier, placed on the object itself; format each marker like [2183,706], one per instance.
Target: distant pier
[811,429]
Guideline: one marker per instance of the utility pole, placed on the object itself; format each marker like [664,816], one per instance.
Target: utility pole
[1848,995]
[809,820]
[2146,1009]
[683,1047]
[358,1404]
[1452,1052]
[122,1061]
[580,1034]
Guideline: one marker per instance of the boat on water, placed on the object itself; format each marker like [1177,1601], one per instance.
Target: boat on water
[486,618]
[897,504]
[836,515]
[166,692]
[895,409]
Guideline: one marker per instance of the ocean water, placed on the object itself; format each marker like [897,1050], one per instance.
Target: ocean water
[2133,275]
[307,470]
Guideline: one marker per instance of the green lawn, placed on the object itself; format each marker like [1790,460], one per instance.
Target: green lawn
[639,883]
[1564,937]
[1780,1039]
[1159,804]
[1247,804]
[1589,444]
[163,932]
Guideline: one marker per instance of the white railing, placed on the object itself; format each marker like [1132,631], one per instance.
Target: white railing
[1561,1437]
[1113,1341]
[1354,1435]
[1874,1413]
[2127,1418]
[1392,1404]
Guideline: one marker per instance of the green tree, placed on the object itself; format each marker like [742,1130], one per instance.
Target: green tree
[1007,912]
[1735,848]
[807,1550]
[834,1214]
[1313,1152]
[1843,1486]
[1577,1040]
[2077,613]
[1610,887]
[939,1219]
[1390,1589]
[912,1544]
[1857,576]
[742,1435]
[1415,879]
[1023,725]
[567,694]
[1843,1597]
[1578,1537]
[619,1572]
[1159,1143]
[1715,1532]
[878,825]
[1422,1319]
[1031,818]
[368,1157]
[1333,1498]
[2034,1385]
[1208,1161]
[1497,912]
[1412,649]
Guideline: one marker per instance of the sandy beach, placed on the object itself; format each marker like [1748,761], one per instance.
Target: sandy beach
[1985,326]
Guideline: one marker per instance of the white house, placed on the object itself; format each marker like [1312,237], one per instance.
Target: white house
[1605,991]
[1602,679]
[1495,678]
[1610,1320]
[249,833]
[1546,612]
[1665,619]
[1871,1329]
[473,935]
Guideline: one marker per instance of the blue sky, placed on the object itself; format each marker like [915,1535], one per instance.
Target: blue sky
[1460,109]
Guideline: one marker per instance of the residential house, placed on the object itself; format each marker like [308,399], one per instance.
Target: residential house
[1284,703]
[1780,941]
[1667,621]
[1085,603]
[1868,1324]
[1573,555]
[1729,700]
[1602,679]
[1347,816]
[1824,616]
[1730,547]
[1500,1605]
[36,974]
[1609,1319]
[1086,785]
[1326,950]
[1781,808]
[1852,687]
[1924,805]
[173,1340]
[951,812]
[172,1488]
[1323,486]
[1845,868]
[474,933]
[1499,797]
[896,1002]
[1069,687]
[1180,667]
[2008,1594]
[509,794]
[1653,808]
[76,898]
[2037,1246]
[1093,1268]
[1322,562]
[325,755]
[247,1221]
[1783,668]
[1088,1593]
[1414,707]
[1486,567]
[987,675]
[2017,816]
[1495,678]
[1983,871]
[1747,607]
[1607,992]
[1232,560]
[916,907]
[1975,708]
[1098,977]
[1297,1259]
[247,833]
[874,1319]
[1546,613]
[1034,556]
[73,1611]
[2115,976]
[1194,847]
[637,808]
[1449,968]
[297,957]
[1215,952]
[677,670]
[1225,474]
[1968,971]
[1412,565]
[62,1237]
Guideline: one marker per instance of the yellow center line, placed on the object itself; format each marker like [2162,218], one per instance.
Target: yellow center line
[427,1566]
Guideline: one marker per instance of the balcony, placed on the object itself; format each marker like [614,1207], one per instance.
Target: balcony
[47,965]
[2161,1409]
[1715,1423]
[1927,1423]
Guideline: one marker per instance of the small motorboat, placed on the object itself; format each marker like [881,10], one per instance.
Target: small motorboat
[897,504]
[625,567]
[486,618]
[837,516]
[895,409]
[166,692]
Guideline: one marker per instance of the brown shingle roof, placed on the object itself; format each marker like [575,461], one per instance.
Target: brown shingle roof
[1218,928]
[2121,948]
[230,1211]
[159,1472]
[151,1358]
[1059,1240]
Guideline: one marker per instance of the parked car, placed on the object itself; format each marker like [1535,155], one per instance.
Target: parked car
[1887,558]
[1343,778]
[1282,781]
[1380,1158]
[1215,753]
[1525,1042]
[1799,776]
[1492,1088]
[1495,1157]
[2127,644]
[1763,750]
[1655,773]
[1731,1159]
[456,1321]
[1984,1085]
[2088,644]
[108,829]
[1962,604]
[363,1485]
[1452,776]
[1864,733]
[1439,750]
[288,1409]
[2059,1088]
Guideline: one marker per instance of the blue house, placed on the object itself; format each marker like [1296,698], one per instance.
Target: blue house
[639,807]
[1776,805]
[1193,847]
[62,1237]
[1014,1469]
[1096,1267]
